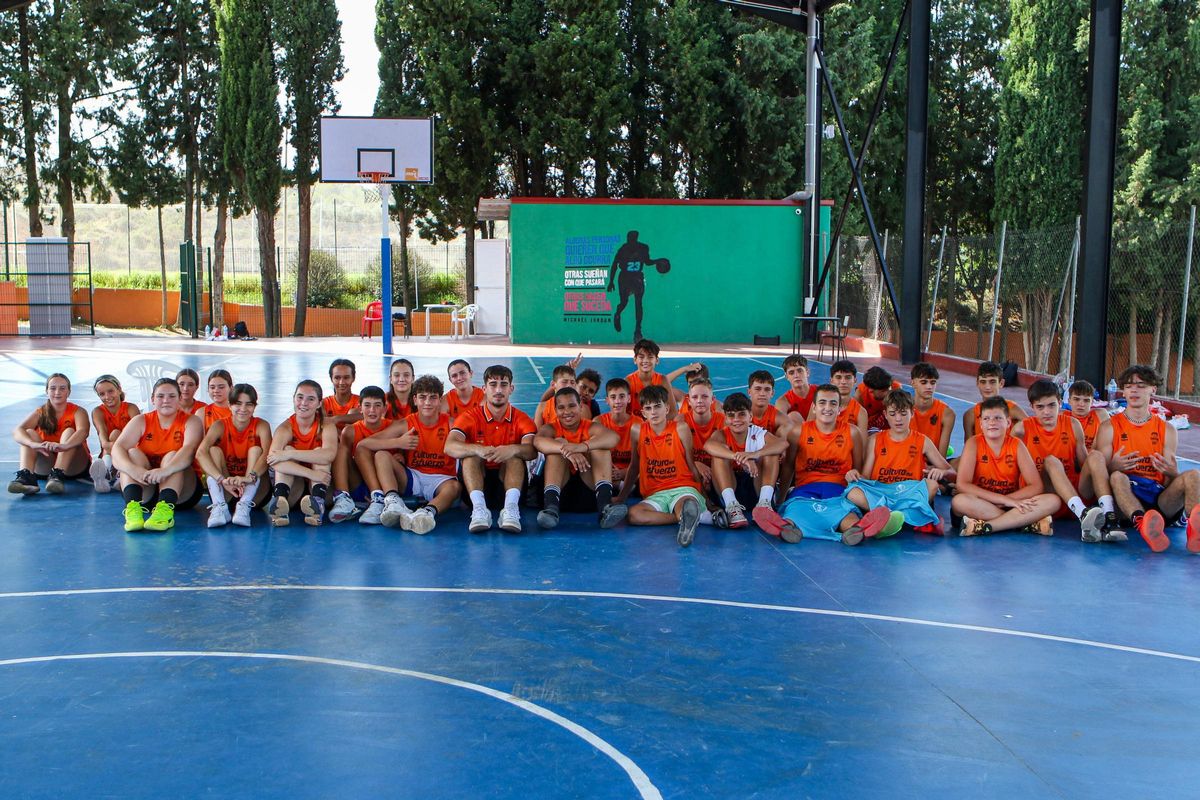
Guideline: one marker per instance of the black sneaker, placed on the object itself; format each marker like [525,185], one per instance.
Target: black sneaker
[548,517]
[1112,530]
[23,483]
[55,484]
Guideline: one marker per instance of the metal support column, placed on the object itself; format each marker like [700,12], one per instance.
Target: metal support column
[912,284]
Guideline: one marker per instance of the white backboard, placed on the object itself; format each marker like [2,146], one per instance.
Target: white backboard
[402,148]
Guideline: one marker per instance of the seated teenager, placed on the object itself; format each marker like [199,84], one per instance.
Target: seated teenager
[53,442]
[798,398]
[233,455]
[989,380]
[155,457]
[624,424]
[999,488]
[219,384]
[302,448]
[398,401]
[1081,395]
[108,420]
[463,394]
[761,389]
[876,383]
[703,418]
[588,383]
[931,416]
[189,383]
[563,377]
[341,407]
[354,463]
[578,472]
[842,375]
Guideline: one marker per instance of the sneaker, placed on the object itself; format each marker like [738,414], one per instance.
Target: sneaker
[933,528]
[1091,525]
[313,509]
[613,513]
[974,527]
[374,513]
[342,509]
[1112,531]
[55,483]
[852,537]
[547,518]
[1150,526]
[874,521]
[277,511]
[394,513]
[689,518]
[98,472]
[422,521]
[789,532]
[135,518]
[1043,527]
[894,524]
[218,515]
[720,519]
[481,520]
[767,519]
[1193,530]
[162,518]
[510,520]
[241,513]
[23,483]
[737,515]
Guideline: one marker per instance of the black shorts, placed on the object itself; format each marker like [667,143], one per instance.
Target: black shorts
[184,503]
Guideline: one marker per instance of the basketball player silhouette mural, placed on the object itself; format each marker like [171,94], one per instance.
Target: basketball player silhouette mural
[628,271]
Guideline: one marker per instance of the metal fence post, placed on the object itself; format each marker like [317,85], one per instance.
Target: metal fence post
[937,282]
[1183,313]
[996,290]
[837,275]
[6,240]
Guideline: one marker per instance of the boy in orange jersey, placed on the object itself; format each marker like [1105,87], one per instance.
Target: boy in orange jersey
[493,442]
[797,399]
[901,470]
[353,469]
[931,416]
[989,380]
[233,455]
[703,419]
[999,488]
[578,473]
[1081,395]
[462,394]
[876,383]
[619,419]
[666,472]
[418,466]
[341,408]
[827,448]
[841,376]
[1146,481]
[588,383]
[645,356]
[1056,442]
[760,387]
[745,468]
[563,377]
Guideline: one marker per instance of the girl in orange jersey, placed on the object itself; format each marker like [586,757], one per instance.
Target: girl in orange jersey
[354,464]
[220,382]
[619,420]
[421,469]
[901,470]
[578,473]
[188,381]
[233,455]
[999,488]
[399,393]
[462,394]
[341,407]
[53,442]
[302,448]
[155,452]
[108,419]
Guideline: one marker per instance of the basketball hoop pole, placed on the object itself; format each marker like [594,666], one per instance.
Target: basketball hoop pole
[385,262]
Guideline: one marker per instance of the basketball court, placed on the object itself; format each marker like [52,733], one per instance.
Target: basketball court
[356,661]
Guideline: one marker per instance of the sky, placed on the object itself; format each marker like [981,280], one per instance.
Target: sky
[357,90]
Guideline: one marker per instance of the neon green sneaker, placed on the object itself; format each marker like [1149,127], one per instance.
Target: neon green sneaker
[134,520]
[162,518]
[894,524]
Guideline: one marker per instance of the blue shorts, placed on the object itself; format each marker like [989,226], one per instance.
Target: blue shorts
[817,509]
[1146,490]
[910,498]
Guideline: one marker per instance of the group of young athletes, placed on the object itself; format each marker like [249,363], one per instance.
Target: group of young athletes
[850,460]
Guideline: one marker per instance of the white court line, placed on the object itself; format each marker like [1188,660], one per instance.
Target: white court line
[536,371]
[775,367]
[639,778]
[823,612]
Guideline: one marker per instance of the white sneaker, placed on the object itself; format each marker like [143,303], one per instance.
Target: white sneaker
[98,472]
[422,521]
[343,508]
[481,519]
[241,513]
[395,513]
[218,515]
[510,520]
[373,513]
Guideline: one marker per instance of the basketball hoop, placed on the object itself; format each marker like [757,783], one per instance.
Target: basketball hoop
[372,185]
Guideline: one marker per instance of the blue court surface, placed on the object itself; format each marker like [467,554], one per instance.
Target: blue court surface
[355,661]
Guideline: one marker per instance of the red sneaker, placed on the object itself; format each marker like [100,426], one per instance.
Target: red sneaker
[873,521]
[1150,526]
[1193,530]
[934,528]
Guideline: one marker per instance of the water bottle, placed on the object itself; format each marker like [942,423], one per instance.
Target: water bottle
[224,331]
[1111,390]
[207,333]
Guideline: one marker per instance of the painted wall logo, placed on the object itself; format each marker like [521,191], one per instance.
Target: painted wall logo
[585,275]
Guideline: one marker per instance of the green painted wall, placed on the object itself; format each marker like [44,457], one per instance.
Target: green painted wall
[734,271]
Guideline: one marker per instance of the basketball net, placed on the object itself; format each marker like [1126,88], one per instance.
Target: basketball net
[373,187]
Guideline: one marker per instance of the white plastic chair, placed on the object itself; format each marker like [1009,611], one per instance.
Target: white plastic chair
[463,320]
[146,371]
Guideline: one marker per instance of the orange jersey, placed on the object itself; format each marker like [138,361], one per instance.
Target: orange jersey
[929,421]
[1059,441]
[738,447]
[898,461]
[429,456]
[362,430]
[824,457]
[308,440]
[874,407]
[394,410]
[849,413]
[214,412]
[456,406]
[577,436]
[997,472]
[1091,426]
[1147,438]
[800,404]
[662,462]
[1012,407]
[333,408]
[701,433]
[479,426]
[550,413]
[622,454]
[157,441]
[65,420]
[118,421]
[635,386]
[768,421]
[235,445]
[197,407]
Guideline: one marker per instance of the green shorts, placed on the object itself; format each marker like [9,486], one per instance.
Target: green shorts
[666,500]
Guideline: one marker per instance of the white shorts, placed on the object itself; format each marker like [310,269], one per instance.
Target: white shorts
[424,484]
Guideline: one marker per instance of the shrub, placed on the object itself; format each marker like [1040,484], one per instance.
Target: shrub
[326,280]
